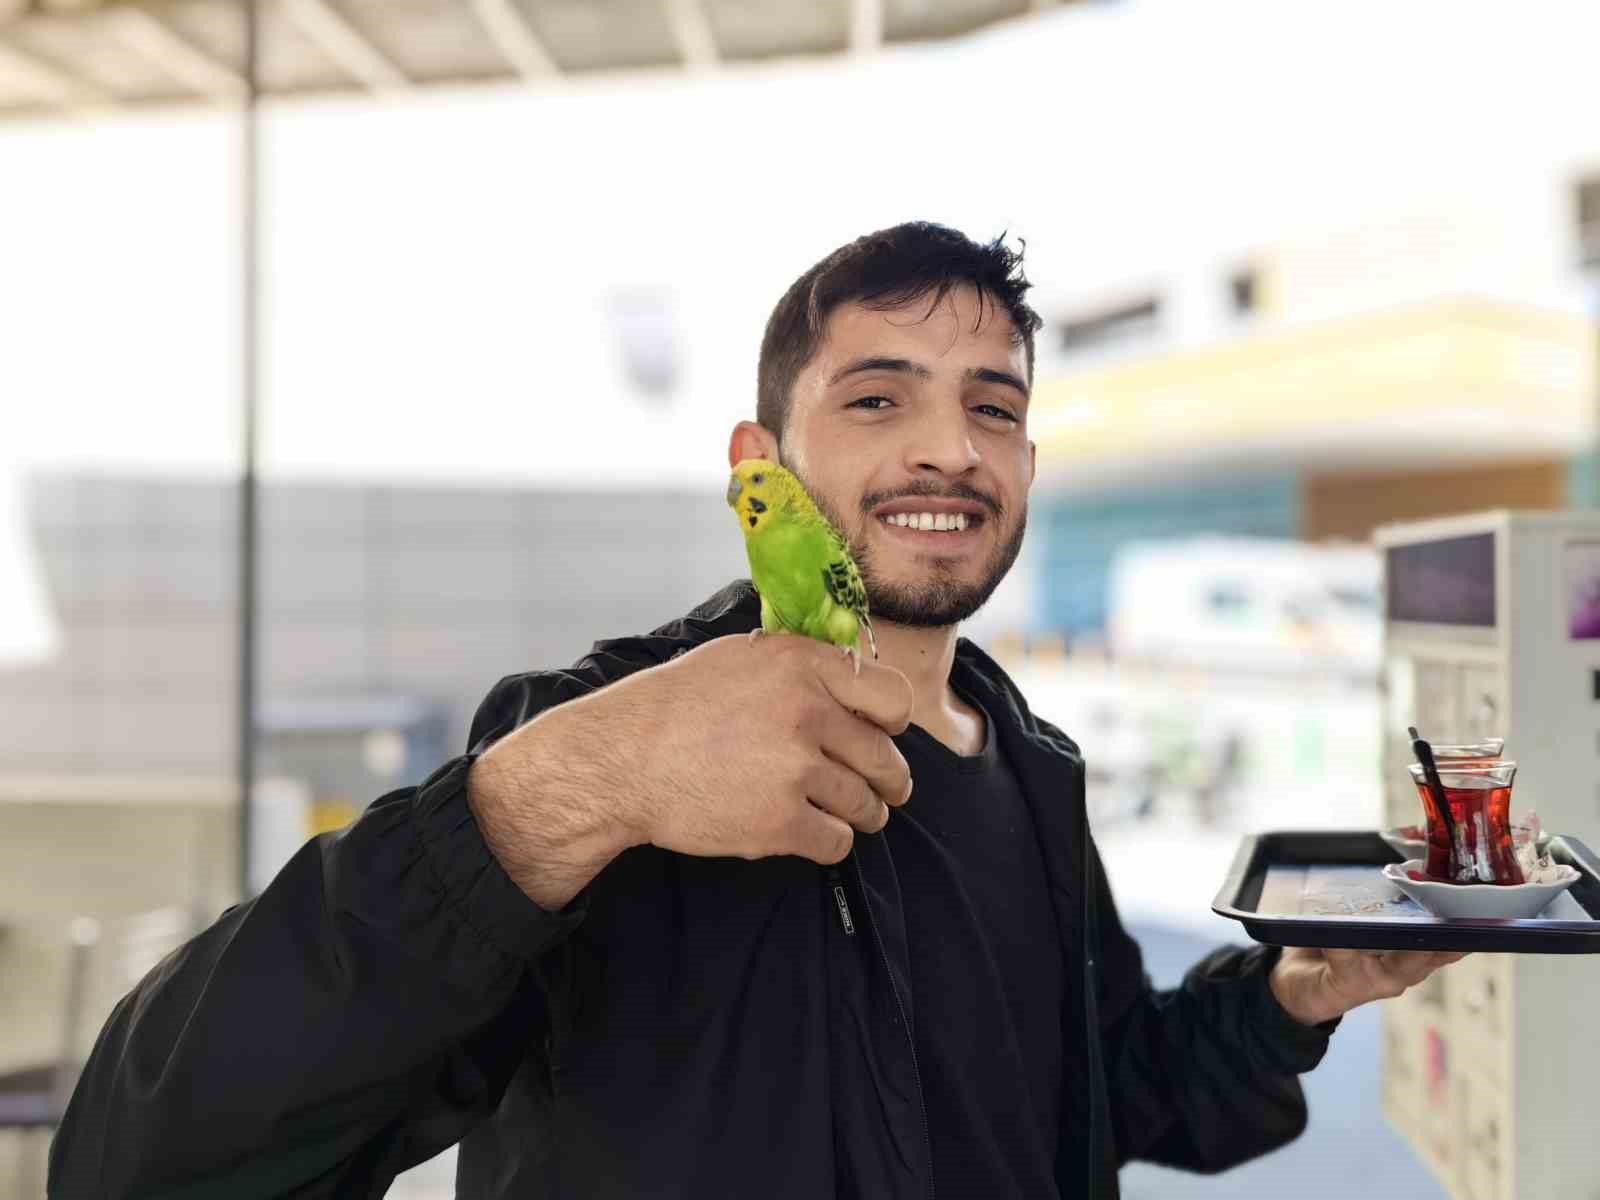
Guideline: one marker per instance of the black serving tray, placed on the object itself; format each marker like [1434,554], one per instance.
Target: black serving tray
[1327,889]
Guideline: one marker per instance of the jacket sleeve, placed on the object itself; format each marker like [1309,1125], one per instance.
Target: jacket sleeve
[1202,1076]
[355,1018]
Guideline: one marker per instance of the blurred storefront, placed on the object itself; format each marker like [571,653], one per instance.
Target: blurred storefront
[1320,431]
[1207,491]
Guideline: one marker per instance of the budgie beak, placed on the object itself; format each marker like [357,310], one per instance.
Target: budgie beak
[734,488]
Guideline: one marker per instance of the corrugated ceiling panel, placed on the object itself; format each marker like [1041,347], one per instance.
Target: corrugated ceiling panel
[597,35]
[88,47]
[913,20]
[428,40]
[747,29]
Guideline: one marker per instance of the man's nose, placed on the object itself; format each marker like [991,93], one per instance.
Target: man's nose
[942,442]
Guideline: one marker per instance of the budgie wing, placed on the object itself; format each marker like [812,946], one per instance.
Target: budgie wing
[843,583]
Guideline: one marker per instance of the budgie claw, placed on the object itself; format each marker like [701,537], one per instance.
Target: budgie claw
[855,659]
[755,633]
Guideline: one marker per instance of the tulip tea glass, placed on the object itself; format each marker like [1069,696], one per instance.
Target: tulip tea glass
[1480,809]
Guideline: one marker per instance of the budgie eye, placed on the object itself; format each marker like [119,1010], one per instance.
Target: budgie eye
[755,478]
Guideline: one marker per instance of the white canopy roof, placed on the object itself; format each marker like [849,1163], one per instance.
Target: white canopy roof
[67,54]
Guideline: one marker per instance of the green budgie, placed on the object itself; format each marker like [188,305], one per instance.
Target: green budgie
[799,562]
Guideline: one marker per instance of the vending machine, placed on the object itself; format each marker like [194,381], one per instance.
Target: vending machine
[1492,628]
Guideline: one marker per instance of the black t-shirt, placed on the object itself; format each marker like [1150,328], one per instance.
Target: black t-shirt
[986,969]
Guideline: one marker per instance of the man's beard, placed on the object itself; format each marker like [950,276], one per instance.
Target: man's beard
[943,599]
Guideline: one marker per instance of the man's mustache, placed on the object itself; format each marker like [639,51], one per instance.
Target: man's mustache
[959,491]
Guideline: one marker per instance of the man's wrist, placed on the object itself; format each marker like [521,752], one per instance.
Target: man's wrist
[543,818]
[1291,999]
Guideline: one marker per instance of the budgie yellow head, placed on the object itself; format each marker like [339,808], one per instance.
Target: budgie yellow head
[760,490]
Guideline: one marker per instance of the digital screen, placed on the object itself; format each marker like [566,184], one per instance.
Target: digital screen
[1448,582]
[1581,568]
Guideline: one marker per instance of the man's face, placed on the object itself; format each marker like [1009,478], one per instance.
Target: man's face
[901,412]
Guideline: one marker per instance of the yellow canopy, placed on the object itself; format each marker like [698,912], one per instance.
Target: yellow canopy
[1453,378]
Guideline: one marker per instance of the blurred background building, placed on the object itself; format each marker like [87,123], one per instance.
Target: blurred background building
[1304,269]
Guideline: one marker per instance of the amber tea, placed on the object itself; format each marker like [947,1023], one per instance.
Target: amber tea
[1479,797]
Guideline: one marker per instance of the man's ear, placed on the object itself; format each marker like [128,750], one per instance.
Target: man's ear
[751,440]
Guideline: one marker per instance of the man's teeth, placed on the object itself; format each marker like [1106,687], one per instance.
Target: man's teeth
[952,522]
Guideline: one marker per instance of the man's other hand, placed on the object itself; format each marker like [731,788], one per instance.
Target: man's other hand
[1314,986]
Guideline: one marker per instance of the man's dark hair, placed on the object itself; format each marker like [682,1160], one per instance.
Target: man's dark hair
[885,270]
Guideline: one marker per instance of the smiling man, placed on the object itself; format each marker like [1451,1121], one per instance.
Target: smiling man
[902,406]
[675,924]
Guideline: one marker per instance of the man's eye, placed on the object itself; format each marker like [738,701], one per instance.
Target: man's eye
[866,402]
[998,410]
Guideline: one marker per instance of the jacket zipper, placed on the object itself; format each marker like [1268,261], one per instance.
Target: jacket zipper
[836,881]
[1091,1006]
[842,904]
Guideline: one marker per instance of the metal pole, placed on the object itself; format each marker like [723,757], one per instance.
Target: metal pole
[249,266]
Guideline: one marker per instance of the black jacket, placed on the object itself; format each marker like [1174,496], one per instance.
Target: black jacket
[686,1027]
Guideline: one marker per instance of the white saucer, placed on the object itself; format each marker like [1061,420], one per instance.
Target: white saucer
[1478,900]
[1403,846]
